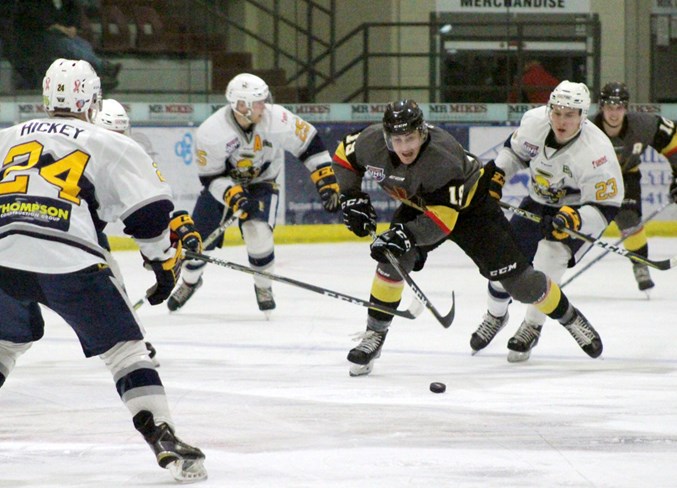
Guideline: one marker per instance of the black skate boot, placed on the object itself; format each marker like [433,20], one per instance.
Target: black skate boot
[643,277]
[586,336]
[182,294]
[486,331]
[152,354]
[366,352]
[265,300]
[186,463]
[524,340]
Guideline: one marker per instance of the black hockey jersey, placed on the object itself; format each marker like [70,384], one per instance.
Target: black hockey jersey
[639,131]
[441,182]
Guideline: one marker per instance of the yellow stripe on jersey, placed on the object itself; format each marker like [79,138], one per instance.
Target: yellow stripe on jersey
[386,290]
[444,217]
[671,148]
[552,297]
[340,157]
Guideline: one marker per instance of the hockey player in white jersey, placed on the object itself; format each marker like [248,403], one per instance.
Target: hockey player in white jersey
[575,182]
[63,178]
[240,154]
[113,116]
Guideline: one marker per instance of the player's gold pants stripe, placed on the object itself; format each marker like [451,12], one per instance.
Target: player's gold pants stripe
[636,240]
[386,290]
[552,297]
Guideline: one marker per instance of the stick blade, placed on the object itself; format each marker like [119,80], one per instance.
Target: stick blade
[449,318]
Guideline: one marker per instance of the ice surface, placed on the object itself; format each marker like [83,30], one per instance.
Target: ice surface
[272,405]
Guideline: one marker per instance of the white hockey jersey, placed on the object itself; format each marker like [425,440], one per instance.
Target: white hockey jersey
[584,171]
[225,151]
[57,173]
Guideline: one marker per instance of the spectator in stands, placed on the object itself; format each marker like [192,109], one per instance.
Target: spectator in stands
[46,30]
[535,85]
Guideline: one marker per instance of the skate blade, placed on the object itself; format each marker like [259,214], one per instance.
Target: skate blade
[360,369]
[188,471]
[518,357]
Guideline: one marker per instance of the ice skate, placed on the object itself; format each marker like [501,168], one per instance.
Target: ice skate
[366,352]
[524,340]
[182,294]
[152,353]
[486,331]
[186,463]
[586,336]
[264,297]
[643,278]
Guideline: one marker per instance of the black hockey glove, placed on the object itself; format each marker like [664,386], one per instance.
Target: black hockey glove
[166,274]
[566,218]
[497,181]
[327,187]
[237,198]
[183,228]
[398,240]
[673,189]
[358,214]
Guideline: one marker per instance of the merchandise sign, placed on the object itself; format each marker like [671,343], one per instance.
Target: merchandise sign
[515,6]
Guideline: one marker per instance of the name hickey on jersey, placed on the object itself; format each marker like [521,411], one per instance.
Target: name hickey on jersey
[51,128]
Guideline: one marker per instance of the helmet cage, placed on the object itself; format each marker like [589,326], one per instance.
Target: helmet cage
[403,117]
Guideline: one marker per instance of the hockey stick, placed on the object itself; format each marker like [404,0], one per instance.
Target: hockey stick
[617,243]
[412,312]
[211,238]
[662,264]
[445,320]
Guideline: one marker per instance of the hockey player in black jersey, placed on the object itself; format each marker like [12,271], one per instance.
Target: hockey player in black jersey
[631,133]
[444,194]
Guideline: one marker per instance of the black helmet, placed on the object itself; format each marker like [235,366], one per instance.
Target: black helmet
[403,117]
[615,93]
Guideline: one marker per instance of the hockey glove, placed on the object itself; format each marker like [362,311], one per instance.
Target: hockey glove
[566,218]
[673,189]
[497,182]
[358,214]
[183,228]
[327,187]
[237,198]
[398,240]
[166,274]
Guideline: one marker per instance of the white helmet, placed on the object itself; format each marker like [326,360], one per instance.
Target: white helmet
[113,116]
[248,88]
[571,95]
[71,86]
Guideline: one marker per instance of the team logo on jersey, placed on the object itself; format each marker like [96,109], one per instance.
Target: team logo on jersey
[244,171]
[546,190]
[376,173]
[532,149]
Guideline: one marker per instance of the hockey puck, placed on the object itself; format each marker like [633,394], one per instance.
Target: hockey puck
[437,387]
